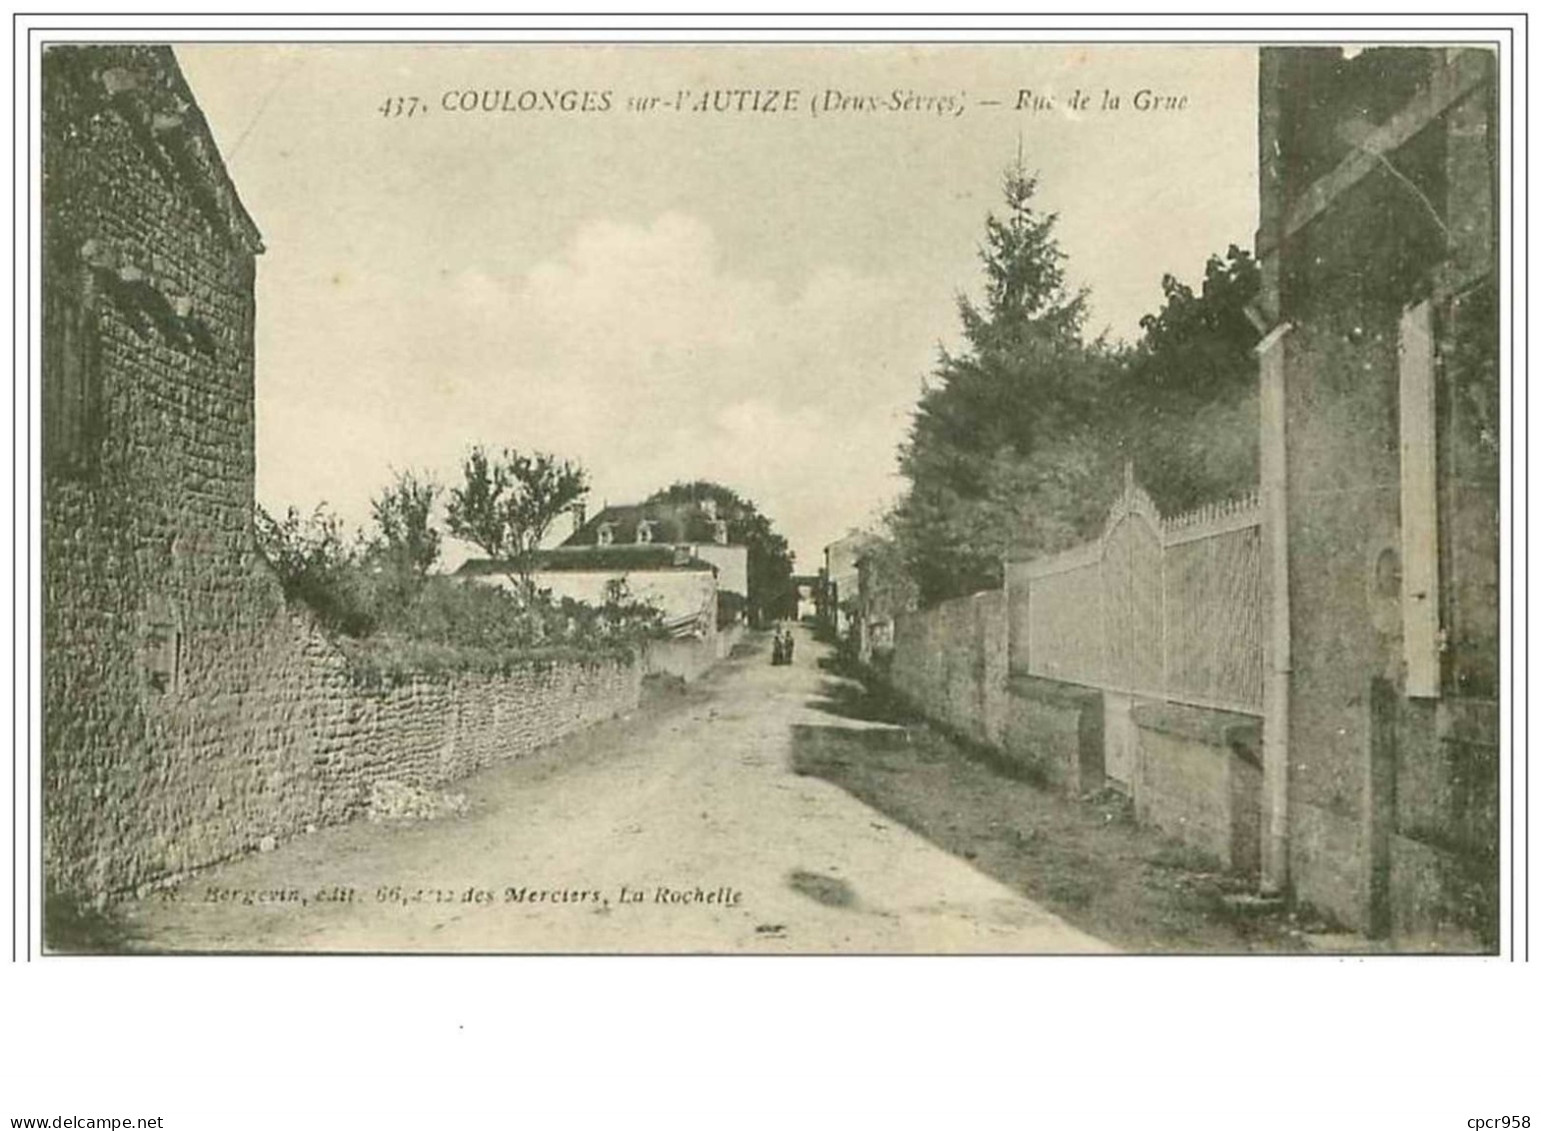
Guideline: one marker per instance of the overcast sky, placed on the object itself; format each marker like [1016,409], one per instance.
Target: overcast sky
[750,297]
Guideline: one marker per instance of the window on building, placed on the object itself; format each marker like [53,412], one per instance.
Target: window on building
[606,534]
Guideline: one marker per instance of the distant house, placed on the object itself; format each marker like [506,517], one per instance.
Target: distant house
[807,588]
[879,601]
[683,587]
[675,555]
[693,526]
[841,580]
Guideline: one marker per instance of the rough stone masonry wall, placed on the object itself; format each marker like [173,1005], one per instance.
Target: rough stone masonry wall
[950,661]
[168,654]
[427,731]
[187,715]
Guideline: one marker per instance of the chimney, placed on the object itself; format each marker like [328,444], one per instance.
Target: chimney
[580,514]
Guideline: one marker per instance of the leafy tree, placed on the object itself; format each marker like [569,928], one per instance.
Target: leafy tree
[1199,346]
[886,585]
[392,613]
[318,564]
[506,504]
[954,543]
[1188,397]
[478,508]
[405,545]
[771,593]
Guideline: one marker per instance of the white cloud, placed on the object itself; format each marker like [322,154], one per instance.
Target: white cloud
[635,350]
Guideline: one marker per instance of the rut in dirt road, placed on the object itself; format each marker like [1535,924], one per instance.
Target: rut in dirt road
[685,827]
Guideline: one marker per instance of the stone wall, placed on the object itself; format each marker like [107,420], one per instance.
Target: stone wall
[289,739]
[1199,778]
[167,645]
[950,662]
[688,658]
[187,714]
[424,732]
[1054,731]
[1196,772]
[726,639]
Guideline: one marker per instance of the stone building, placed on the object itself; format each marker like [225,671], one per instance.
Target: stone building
[841,580]
[189,714]
[1380,472]
[695,527]
[167,645]
[680,585]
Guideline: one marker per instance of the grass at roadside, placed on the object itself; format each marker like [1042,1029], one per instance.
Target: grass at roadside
[1084,859]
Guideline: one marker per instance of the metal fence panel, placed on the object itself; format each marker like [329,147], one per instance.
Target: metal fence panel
[1167,608]
[1213,626]
[1131,581]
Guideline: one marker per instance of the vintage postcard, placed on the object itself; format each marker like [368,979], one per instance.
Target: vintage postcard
[764,498]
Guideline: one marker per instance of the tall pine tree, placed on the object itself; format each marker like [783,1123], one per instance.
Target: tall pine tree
[1001,455]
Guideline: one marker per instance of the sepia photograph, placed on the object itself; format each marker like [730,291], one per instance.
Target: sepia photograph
[1030,498]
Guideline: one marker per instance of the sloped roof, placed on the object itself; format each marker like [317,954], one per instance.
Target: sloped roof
[630,558]
[672,522]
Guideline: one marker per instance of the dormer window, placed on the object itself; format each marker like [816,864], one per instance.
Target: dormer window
[606,533]
[644,531]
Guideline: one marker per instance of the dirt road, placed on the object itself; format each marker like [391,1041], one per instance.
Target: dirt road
[684,828]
